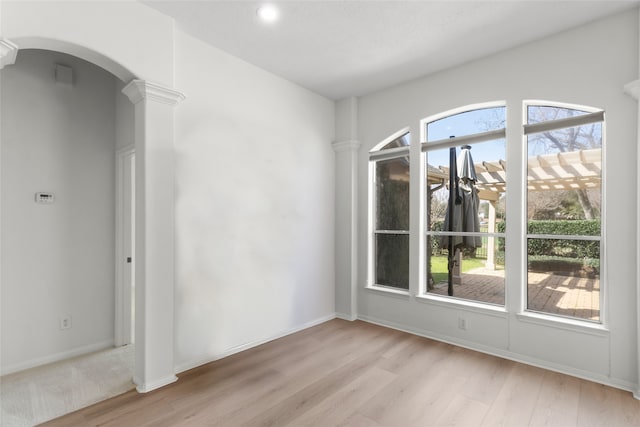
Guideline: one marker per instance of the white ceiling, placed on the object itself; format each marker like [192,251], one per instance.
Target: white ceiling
[351,48]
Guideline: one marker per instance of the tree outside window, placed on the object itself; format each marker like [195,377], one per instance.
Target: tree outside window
[390,234]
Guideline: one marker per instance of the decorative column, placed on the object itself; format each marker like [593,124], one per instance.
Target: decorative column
[346,229]
[154,232]
[633,89]
[346,213]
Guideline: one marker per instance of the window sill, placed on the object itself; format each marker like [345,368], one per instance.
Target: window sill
[398,293]
[557,322]
[487,309]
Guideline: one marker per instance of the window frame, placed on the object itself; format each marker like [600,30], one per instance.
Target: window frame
[425,146]
[376,154]
[593,115]
[516,234]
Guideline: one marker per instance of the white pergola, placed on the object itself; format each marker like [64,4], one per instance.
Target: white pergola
[574,170]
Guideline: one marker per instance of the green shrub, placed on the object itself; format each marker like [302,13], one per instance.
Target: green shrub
[583,249]
[566,227]
[501,227]
[436,246]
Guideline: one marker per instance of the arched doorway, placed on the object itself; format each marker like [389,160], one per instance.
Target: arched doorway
[153,122]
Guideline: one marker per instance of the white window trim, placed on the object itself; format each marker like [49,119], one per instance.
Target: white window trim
[464,140]
[378,147]
[565,123]
[467,305]
[390,153]
[388,290]
[565,236]
[454,111]
[572,324]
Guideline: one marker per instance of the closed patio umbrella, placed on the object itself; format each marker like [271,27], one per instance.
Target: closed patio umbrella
[462,210]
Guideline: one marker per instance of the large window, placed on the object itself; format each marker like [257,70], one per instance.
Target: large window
[465,204]
[564,193]
[463,217]
[389,245]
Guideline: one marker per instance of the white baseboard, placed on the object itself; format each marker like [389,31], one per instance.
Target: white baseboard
[150,386]
[349,317]
[505,354]
[39,361]
[194,364]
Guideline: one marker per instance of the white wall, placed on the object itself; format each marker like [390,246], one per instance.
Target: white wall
[127,38]
[255,187]
[57,260]
[254,205]
[589,66]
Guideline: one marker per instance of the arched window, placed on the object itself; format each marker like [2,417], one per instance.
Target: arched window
[465,191]
[564,194]
[463,211]
[389,212]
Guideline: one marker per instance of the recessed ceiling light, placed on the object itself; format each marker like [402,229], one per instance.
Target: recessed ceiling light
[268,13]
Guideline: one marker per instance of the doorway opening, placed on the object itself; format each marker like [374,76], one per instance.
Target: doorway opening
[152,138]
[59,136]
[125,247]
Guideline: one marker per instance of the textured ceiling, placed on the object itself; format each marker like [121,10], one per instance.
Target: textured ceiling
[351,48]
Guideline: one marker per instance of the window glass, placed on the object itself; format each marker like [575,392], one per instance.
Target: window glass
[490,168]
[473,278]
[564,277]
[392,260]
[401,141]
[392,194]
[467,123]
[544,113]
[564,195]
[389,240]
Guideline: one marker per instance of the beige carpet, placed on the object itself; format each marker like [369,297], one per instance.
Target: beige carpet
[46,392]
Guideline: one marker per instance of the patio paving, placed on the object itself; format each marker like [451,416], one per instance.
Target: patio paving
[548,293]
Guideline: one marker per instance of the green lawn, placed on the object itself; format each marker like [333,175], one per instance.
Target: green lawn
[440,271]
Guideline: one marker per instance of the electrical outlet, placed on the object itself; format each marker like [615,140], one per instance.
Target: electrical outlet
[462,323]
[65,322]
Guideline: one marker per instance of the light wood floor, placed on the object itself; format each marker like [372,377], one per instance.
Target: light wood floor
[357,374]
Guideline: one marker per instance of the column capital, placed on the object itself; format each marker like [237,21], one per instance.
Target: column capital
[137,90]
[8,52]
[633,89]
[348,145]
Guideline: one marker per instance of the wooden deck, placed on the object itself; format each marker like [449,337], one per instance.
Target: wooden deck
[548,293]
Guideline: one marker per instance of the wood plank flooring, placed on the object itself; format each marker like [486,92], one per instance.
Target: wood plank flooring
[356,374]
